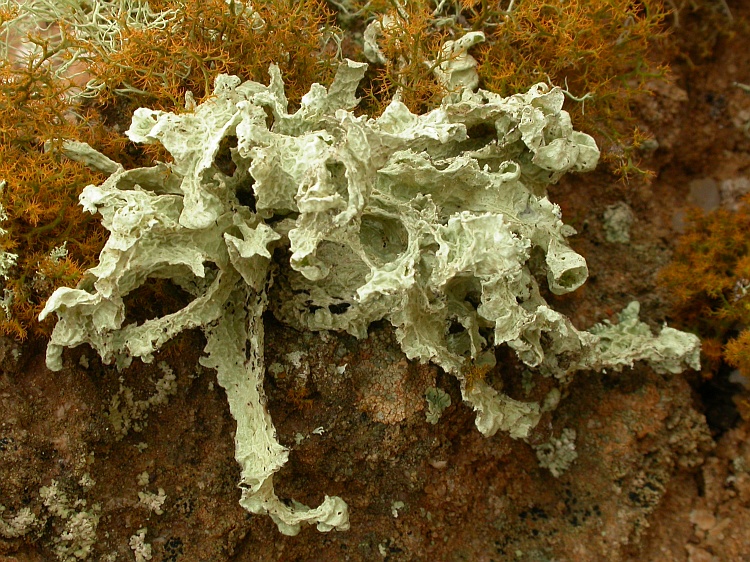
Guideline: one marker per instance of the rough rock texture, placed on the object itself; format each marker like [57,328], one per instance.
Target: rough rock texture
[462,496]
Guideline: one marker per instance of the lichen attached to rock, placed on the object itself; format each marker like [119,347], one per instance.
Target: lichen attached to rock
[438,223]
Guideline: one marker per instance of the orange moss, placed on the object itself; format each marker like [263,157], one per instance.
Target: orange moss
[408,40]
[205,38]
[41,192]
[737,352]
[709,283]
[474,373]
[593,46]
[599,50]
[300,397]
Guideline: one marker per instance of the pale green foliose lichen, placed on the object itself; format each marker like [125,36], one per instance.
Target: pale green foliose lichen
[557,454]
[20,524]
[437,401]
[439,223]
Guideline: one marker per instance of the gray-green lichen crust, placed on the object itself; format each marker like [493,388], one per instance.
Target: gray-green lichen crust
[438,223]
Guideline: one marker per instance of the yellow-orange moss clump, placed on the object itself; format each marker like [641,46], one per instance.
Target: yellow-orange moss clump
[203,38]
[599,50]
[408,40]
[40,197]
[709,280]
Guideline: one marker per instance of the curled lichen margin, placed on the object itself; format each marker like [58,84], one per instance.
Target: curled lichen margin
[402,217]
